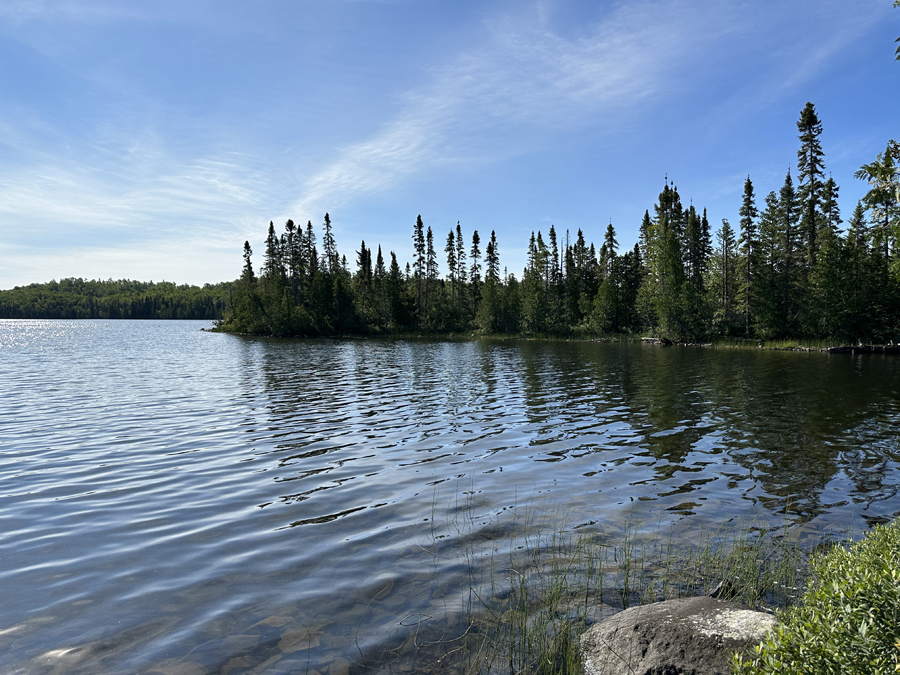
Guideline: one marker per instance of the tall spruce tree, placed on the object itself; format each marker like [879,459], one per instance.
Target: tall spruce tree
[748,245]
[831,212]
[535,285]
[273,266]
[419,247]
[665,282]
[380,280]
[294,257]
[605,315]
[329,248]
[363,285]
[431,267]
[696,262]
[450,250]
[475,271]
[612,247]
[725,275]
[396,286]
[859,268]
[766,317]
[247,275]
[311,255]
[791,283]
[810,172]
[489,311]
[644,235]
[462,297]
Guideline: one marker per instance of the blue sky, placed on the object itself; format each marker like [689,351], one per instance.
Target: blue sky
[148,140]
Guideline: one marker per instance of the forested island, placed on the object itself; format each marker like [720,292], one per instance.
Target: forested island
[787,270]
[123,299]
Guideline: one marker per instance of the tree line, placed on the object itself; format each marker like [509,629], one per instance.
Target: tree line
[77,298]
[787,270]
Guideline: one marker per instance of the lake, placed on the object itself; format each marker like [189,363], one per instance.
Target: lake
[177,501]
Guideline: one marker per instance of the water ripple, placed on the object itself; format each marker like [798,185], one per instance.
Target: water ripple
[165,492]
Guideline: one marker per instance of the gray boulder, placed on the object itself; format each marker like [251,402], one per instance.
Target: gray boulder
[690,636]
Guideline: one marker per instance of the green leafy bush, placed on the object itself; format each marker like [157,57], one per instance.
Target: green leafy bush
[847,621]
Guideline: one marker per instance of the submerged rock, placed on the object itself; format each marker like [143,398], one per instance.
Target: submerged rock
[694,636]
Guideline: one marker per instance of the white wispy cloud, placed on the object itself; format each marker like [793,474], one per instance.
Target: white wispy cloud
[147,167]
[786,60]
[64,198]
[523,82]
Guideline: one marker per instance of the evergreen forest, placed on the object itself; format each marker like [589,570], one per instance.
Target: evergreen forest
[790,268]
[81,299]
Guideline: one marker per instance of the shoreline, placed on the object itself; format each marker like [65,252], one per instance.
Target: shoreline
[779,346]
[724,343]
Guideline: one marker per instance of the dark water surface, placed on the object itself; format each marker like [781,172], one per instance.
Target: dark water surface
[176,501]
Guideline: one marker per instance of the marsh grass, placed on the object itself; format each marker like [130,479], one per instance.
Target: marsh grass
[528,604]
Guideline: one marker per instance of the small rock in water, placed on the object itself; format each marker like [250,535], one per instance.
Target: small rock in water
[339,667]
[275,621]
[297,640]
[239,643]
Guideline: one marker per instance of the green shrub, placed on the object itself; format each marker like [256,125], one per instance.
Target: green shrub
[847,621]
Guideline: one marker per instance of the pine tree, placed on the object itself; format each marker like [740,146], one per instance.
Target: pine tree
[697,249]
[380,281]
[311,256]
[665,281]
[431,267]
[810,171]
[633,273]
[831,212]
[461,272]
[450,249]
[827,289]
[724,272]
[329,248]
[293,257]
[749,254]
[488,316]
[705,240]
[364,284]
[273,267]
[644,235]
[419,246]
[395,292]
[492,259]
[767,313]
[475,271]
[611,245]
[581,280]
[859,277]
[555,280]
[790,248]
[535,285]
[247,275]
[605,316]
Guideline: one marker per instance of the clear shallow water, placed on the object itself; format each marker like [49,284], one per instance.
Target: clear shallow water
[175,501]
